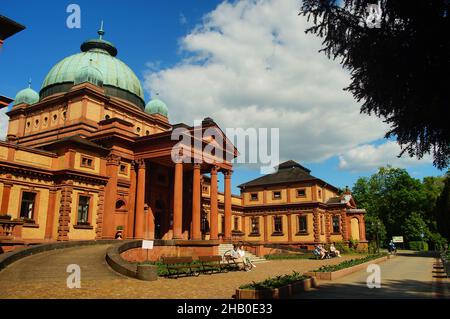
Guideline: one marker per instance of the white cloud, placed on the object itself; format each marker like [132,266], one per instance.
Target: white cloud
[3,123]
[250,64]
[369,157]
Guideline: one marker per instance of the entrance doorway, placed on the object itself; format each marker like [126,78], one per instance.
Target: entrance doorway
[159,219]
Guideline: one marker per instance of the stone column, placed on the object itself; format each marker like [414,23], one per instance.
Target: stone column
[131,201]
[196,232]
[289,224]
[140,201]
[316,222]
[178,202]
[362,228]
[64,211]
[5,198]
[112,169]
[344,225]
[266,228]
[214,210]
[328,225]
[227,204]
[50,214]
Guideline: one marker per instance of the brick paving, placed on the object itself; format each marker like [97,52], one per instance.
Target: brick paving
[44,276]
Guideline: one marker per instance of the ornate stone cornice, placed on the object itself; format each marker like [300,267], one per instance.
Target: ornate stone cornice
[113,159]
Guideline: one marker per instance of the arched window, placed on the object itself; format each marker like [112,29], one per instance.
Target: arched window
[120,205]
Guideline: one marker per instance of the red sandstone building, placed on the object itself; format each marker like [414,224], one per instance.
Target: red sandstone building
[86,158]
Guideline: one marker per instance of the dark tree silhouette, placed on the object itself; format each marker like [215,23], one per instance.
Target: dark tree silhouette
[400,70]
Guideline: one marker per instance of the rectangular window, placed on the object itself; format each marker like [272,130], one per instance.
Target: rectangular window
[27,205]
[276,195]
[123,169]
[336,224]
[255,225]
[277,224]
[320,193]
[254,196]
[301,192]
[302,224]
[205,189]
[83,210]
[87,162]
[236,223]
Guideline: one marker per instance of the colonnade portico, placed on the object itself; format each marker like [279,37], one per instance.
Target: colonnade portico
[146,230]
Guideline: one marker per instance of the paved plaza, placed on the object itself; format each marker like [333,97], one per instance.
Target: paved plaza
[406,276]
[44,276]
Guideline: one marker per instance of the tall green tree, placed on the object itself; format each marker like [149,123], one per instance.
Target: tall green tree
[402,204]
[400,68]
[442,210]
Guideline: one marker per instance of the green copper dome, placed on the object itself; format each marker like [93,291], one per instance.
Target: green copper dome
[27,96]
[118,79]
[156,106]
[89,74]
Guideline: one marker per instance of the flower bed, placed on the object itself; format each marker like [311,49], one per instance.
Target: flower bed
[276,287]
[288,256]
[330,272]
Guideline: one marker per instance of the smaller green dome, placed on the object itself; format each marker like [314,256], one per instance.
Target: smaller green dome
[27,96]
[156,106]
[89,74]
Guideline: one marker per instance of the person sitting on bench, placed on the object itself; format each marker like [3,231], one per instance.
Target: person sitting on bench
[248,265]
[334,252]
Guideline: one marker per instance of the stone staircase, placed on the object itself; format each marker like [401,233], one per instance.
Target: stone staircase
[254,259]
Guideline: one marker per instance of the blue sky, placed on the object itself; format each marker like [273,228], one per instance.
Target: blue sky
[170,44]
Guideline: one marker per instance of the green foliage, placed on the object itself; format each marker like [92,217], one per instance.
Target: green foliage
[418,245]
[348,263]
[287,256]
[442,211]
[399,205]
[162,269]
[398,69]
[342,247]
[373,248]
[275,282]
[437,241]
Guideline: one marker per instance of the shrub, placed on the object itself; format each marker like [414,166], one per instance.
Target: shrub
[342,247]
[288,256]
[418,245]
[348,263]
[275,282]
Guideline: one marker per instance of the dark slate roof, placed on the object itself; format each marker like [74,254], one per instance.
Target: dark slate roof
[287,173]
[9,27]
[334,200]
[75,139]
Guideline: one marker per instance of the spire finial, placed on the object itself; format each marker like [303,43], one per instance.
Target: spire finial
[29,83]
[101,32]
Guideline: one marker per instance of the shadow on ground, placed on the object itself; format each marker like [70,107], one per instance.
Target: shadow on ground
[390,289]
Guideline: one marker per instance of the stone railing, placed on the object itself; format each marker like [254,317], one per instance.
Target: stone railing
[10,229]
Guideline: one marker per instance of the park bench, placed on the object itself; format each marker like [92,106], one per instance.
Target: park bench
[212,263]
[177,266]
